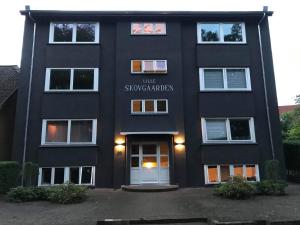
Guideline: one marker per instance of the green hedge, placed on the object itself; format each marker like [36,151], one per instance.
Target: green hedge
[9,175]
[292,158]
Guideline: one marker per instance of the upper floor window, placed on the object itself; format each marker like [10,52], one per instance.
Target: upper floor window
[149,66]
[66,32]
[224,79]
[149,106]
[228,130]
[148,28]
[65,79]
[81,131]
[221,32]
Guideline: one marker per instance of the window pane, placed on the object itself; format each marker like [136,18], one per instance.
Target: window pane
[216,130]
[81,131]
[86,175]
[225,173]
[136,66]
[136,28]
[149,149]
[238,170]
[160,28]
[137,106]
[46,176]
[251,172]
[212,174]
[161,106]
[161,66]
[63,32]
[213,78]
[148,28]
[83,79]
[59,175]
[164,148]
[60,79]
[85,33]
[149,106]
[74,175]
[135,162]
[210,32]
[134,149]
[148,66]
[240,129]
[164,161]
[233,32]
[57,131]
[149,162]
[236,78]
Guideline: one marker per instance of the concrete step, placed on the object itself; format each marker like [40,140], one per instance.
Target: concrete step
[149,188]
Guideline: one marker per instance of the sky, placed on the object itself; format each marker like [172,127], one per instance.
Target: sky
[284,30]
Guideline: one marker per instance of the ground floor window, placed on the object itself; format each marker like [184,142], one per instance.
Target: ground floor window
[82,175]
[222,173]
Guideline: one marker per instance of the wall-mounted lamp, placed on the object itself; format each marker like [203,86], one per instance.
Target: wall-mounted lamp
[120,140]
[120,144]
[179,142]
[119,148]
[179,147]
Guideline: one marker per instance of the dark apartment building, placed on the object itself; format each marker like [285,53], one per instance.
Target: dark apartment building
[116,98]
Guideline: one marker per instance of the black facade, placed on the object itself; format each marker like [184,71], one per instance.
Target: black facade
[110,106]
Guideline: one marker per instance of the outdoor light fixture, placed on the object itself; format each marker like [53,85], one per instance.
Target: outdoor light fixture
[120,148]
[120,140]
[179,139]
[179,147]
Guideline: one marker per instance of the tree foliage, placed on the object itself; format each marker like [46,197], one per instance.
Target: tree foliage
[290,124]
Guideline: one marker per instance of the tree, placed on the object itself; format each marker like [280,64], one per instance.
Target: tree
[297,99]
[290,125]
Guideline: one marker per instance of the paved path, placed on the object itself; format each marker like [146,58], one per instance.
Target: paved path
[183,203]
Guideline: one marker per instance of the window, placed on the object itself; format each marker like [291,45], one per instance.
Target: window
[149,106]
[230,130]
[82,175]
[82,33]
[224,79]
[148,28]
[213,33]
[69,132]
[64,79]
[149,66]
[221,173]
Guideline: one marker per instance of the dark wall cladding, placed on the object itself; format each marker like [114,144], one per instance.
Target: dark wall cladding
[111,105]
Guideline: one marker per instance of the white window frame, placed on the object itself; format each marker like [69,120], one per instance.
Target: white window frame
[74,33]
[225,83]
[156,71]
[155,107]
[67,175]
[228,132]
[231,170]
[44,132]
[48,78]
[221,33]
[142,23]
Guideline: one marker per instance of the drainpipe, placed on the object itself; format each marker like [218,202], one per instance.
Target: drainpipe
[265,9]
[28,95]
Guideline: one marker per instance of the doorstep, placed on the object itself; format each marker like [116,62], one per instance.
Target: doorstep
[149,188]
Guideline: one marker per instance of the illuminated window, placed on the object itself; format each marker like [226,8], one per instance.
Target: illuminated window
[213,174]
[228,130]
[238,170]
[69,132]
[148,28]
[221,33]
[149,66]
[224,79]
[149,106]
[70,79]
[225,173]
[251,172]
[74,33]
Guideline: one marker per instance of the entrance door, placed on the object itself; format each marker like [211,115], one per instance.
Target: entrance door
[149,163]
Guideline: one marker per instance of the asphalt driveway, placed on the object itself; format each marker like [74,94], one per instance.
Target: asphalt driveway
[183,203]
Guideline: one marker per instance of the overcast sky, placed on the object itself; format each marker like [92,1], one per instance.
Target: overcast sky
[284,28]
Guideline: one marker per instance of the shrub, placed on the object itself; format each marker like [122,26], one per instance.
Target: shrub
[272,169]
[67,194]
[236,188]
[9,174]
[27,194]
[292,157]
[271,187]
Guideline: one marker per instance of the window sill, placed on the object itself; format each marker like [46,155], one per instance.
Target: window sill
[221,43]
[67,145]
[229,143]
[227,90]
[149,114]
[73,43]
[72,92]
